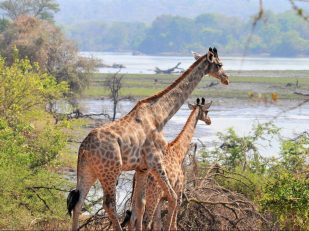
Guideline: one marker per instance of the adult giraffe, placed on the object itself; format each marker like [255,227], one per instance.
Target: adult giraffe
[128,144]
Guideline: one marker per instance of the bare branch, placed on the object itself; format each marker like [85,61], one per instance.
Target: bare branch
[289,109]
[114,85]
[300,93]
[299,10]
[209,206]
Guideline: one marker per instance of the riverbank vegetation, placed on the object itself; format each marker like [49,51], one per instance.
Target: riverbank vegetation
[34,152]
[30,144]
[40,71]
[256,85]
[233,185]
[277,187]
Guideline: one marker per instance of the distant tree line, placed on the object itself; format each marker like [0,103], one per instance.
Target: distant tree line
[284,34]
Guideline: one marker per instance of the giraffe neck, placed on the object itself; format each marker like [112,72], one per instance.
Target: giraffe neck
[182,142]
[166,103]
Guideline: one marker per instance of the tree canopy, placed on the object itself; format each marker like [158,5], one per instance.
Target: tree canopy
[42,42]
[43,9]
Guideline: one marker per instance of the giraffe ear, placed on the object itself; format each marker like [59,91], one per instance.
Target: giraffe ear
[196,55]
[207,105]
[191,106]
[210,56]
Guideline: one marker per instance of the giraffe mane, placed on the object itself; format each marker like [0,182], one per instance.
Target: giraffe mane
[183,129]
[175,83]
[170,87]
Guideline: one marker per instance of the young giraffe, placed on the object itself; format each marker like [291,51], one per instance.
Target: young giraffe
[173,159]
[131,143]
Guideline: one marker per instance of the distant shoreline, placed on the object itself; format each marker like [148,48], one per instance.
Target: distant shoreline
[255,85]
[186,54]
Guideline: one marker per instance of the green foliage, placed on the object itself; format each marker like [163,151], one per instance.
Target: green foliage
[286,192]
[242,152]
[279,186]
[4,23]
[23,88]
[286,196]
[24,193]
[29,146]
[295,153]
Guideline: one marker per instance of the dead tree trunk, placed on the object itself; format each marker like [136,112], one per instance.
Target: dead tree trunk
[168,71]
[114,85]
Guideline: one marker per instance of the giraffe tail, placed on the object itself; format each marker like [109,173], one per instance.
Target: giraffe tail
[126,218]
[72,200]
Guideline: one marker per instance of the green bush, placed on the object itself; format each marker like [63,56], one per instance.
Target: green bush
[287,196]
[30,142]
[279,186]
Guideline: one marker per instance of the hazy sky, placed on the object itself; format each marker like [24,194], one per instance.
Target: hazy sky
[73,11]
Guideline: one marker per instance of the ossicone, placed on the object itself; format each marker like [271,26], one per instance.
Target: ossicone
[203,101]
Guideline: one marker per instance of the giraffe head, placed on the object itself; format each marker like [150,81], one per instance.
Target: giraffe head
[203,110]
[214,67]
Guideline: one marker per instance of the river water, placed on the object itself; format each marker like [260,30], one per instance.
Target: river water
[224,113]
[146,63]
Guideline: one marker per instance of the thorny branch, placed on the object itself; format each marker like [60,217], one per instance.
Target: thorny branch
[289,109]
[77,114]
[207,205]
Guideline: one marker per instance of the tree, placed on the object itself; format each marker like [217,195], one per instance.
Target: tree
[42,42]
[242,151]
[29,146]
[113,84]
[4,23]
[24,88]
[42,9]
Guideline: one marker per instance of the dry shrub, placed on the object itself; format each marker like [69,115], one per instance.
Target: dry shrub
[208,206]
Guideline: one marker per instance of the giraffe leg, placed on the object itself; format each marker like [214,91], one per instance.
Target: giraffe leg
[138,204]
[109,198]
[154,161]
[153,195]
[174,219]
[163,181]
[157,220]
[86,179]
